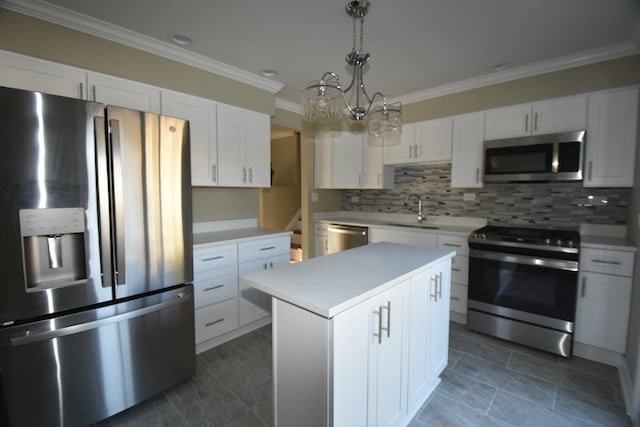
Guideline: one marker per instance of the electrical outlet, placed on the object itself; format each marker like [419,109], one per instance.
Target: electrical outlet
[314,197]
[469,197]
[355,199]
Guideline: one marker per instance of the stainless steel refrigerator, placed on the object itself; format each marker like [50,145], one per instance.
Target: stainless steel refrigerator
[96,294]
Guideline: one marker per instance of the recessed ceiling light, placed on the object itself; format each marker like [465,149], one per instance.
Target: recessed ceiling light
[269,73]
[180,39]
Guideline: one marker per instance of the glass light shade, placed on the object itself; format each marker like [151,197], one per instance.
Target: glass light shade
[322,102]
[385,122]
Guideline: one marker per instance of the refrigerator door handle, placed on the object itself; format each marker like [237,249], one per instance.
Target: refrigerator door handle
[118,201]
[102,166]
[94,324]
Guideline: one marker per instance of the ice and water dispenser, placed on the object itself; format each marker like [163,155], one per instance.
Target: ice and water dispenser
[53,247]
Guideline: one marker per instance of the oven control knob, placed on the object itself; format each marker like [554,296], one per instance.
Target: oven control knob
[570,243]
[547,241]
[559,242]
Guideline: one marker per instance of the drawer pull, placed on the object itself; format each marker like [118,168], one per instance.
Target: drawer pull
[213,288]
[456,269]
[600,261]
[268,248]
[453,245]
[213,258]
[455,298]
[215,322]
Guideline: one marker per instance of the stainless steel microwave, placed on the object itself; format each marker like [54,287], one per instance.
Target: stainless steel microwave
[550,157]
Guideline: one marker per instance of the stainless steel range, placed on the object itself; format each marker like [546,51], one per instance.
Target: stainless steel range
[523,284]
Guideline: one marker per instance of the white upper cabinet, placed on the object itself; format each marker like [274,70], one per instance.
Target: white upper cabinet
[554,115]
[244,147]
[201,114]
[123,93]
[23,72]
[611,139]
[467,151]
[346,160]
[422,142]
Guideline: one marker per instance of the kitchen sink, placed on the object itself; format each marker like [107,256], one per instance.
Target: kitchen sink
[424,226]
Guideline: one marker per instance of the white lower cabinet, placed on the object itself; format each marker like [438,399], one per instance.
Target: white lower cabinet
[603,303]
[222,305]
[373,364]
[428,332]
[262,254]
[321,240]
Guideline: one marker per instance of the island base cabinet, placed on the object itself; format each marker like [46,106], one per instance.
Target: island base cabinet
[355,369]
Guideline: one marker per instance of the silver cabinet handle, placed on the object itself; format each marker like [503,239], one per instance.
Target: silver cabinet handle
[250,174]
[213,258]
[455,298]
[244,174]
[267,248]
[411,151]
[359,179]
[326,245]
[214,173]
[213,288]
[477,174]
[415,151]
[439,281]
[264,266]
[388,328]
[215,322]
[535,121]
[379,334]
[81,90]
[601,261]
[584,286]
[270,264]
[94,93]
[455,269]
[526,122]
[379,180]
[590,169]
[453,245]
[434,281]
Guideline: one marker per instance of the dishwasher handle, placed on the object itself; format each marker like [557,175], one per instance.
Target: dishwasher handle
[361,231]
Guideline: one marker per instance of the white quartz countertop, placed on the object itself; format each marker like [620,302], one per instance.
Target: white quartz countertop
[607,243]
[331,284]
[235,235]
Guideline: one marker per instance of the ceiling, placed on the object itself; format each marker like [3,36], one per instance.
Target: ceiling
[415,45]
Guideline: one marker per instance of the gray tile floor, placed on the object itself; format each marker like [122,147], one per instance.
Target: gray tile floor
[488,382]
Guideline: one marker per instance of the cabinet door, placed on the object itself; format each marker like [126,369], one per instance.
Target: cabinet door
[123,93]
[201,114]
[258,149]
[559,115]
[433,140]
[347,159]
[321,245]
[413,237]
[232,170]
[467,152]
[508,122]
[611,139]
[439,303]
[374,173]
[403,152]
[323,159]
[387,357]
[26,73]
[252,303]
[602,311]
[419,377]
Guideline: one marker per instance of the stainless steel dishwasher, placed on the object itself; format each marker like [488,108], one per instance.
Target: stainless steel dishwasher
[341,237]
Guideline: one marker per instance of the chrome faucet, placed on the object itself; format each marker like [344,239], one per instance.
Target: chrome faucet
[421,217]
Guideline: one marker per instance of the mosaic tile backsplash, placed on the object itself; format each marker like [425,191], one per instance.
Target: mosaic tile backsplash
[560,205]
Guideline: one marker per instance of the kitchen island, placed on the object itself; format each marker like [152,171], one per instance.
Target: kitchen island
[359,337]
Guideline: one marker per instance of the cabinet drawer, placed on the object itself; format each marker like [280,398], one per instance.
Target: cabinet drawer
[320,228]
[263,248]
[456,243]
[458,298]
[212,286]
[216,319]
[605,261]
[209,258]
[460,270]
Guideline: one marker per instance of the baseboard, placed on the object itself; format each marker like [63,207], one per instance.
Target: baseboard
[221,339]
[598,354]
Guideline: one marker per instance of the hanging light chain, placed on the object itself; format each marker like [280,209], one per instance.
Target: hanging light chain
[361,31]
[353,49]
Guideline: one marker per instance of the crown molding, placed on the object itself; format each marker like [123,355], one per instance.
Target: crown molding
[283,104]
[98,28]
[530,70]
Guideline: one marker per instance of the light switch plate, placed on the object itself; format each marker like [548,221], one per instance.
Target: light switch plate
[314,196]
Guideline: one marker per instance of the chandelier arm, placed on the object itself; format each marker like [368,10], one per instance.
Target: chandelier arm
[373,98]
[353,79]
[331,74]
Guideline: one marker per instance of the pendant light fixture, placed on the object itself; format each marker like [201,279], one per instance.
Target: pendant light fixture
[324,100]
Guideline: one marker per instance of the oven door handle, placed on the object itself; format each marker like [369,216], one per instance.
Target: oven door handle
[557,264]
